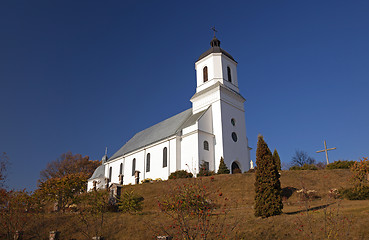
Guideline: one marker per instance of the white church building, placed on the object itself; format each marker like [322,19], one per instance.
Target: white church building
[213,128]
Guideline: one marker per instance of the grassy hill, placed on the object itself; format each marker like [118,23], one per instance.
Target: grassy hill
[318,218]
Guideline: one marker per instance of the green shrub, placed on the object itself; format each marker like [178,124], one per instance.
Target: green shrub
[129,202]
[268,199]
[223,169]
[204,170]
[304,167]
[360,192]
[340,164]
[180,174]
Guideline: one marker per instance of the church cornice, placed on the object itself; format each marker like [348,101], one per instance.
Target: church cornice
[220,87]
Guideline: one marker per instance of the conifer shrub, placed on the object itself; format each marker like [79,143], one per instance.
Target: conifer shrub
[268,200]
[223,169]
[305,167]
[340,164]
[277,159]
[180,174]
[130,202]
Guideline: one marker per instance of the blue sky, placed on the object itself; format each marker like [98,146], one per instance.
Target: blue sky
[82,75]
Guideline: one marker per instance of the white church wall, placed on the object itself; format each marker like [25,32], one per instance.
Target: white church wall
[234,151]
[226,62]
[202,102]
[189,152]
[215,73]
[139,156]
[100,182]
[156,160]
[115,165]
[206,155]
[205,126]
[172,166]
[218,133]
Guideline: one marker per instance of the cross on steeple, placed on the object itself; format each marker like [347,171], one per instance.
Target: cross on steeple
[326,150]
[213,28]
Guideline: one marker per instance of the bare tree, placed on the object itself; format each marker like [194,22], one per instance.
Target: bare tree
[3,167]
[300,158]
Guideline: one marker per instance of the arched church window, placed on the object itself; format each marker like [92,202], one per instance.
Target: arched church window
[148,162]
[165,157]
[206,145]
[133,166]
[205,73]
[229,74]
[110,172]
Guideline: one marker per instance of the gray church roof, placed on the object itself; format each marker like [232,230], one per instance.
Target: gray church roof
[158,132]
[99,172]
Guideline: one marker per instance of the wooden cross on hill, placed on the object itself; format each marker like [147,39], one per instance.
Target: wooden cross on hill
[326,151]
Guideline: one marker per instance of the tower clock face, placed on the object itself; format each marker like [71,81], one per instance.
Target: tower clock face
[234,137]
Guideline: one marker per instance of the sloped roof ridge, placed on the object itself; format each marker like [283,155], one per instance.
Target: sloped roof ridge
[155,133]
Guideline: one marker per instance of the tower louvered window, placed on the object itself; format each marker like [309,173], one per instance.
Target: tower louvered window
[205,73]
[229,74]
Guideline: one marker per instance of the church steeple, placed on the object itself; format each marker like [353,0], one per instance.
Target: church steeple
[215,42]
[216,66]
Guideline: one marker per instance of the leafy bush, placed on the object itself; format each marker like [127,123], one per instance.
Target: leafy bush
[251,170]
[304,167]
[361,171]
[355,193]
[196,212]
[147,180]
[180,174]
[340,164]
[204,171]
[129,202]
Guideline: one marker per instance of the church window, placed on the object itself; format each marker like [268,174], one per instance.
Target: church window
[148,162]
[121,169]
[205,73]
[229,74]
[133,166]
[165,157]
[206,145]
[233,122]
[234,137]
[110,172]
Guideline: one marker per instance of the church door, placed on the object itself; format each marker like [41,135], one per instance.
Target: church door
[235,168]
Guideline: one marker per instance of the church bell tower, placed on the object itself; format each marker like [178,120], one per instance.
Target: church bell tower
[217,90]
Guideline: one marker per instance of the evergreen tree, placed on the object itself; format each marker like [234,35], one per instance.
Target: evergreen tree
[223,167]
[276,159]
[268,201]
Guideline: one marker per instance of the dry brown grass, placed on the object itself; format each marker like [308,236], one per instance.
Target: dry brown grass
[327,218]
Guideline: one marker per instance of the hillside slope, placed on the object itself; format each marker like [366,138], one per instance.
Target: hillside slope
[338,219]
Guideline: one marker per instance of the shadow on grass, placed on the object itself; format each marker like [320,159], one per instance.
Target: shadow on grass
[309,209]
